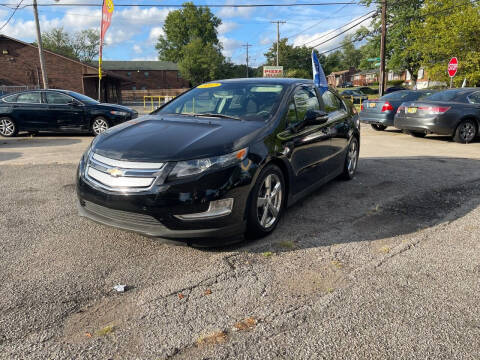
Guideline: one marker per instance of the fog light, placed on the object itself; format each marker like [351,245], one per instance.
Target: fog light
[216,209]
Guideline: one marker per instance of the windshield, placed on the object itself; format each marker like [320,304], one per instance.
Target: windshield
[446,95]
[83,98]
[242,100]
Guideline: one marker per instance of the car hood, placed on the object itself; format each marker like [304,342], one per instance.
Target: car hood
[113,107]
[154,138]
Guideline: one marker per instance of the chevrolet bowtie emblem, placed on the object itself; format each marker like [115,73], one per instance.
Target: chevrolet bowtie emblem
[115,172]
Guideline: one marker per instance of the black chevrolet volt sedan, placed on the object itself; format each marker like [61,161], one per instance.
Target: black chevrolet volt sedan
[58,111]
[222,159]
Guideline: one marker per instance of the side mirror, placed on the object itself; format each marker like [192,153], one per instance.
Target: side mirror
[74,103]
[315,117]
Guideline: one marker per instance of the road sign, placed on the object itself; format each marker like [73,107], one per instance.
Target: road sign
[273,71]
[374,59]
[453,67]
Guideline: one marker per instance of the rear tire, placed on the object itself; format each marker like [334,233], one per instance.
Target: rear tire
[99,125]
[378,127]
[466,131]
[267,202]
[8,128]
[351,160]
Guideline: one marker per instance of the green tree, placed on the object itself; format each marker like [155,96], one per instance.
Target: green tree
[82,46]
[291,57]
[86,44]
[449,28]
[190,23]
[201,62]
[402,17]
[59,41]
[350,55]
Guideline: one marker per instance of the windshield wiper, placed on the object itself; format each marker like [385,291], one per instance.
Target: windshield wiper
[216,115]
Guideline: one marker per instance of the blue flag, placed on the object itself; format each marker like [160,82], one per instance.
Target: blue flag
[319,78]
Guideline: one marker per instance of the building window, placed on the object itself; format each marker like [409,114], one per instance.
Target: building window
[129,74]
[179,76]
[144,88]
[146,73]
[134,88]
[421,73]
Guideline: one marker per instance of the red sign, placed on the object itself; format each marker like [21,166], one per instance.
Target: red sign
[453,67]
[107,12]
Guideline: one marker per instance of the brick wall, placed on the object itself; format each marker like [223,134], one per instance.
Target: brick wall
[152,79]
[20,65]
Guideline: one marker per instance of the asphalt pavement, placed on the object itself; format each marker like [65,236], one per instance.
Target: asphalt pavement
[385,266]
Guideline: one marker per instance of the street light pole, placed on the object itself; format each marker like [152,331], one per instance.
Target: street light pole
[40,47]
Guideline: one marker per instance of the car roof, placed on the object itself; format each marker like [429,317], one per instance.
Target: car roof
[283,81]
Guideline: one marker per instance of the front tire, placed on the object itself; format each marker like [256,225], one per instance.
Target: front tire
[267,202]
[378,127]
[351,160]
[99,125]
[8,127]
[465,132]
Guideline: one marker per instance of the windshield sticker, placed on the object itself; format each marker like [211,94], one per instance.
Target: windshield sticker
[209,85]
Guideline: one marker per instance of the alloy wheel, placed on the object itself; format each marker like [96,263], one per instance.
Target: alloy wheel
[467,131]
[7,127]
[99,126]
[352,157]
[269,201]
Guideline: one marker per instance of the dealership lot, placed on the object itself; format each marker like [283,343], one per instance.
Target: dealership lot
[392,275]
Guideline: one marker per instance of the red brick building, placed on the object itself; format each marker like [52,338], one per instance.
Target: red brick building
[148,75]
[20,66]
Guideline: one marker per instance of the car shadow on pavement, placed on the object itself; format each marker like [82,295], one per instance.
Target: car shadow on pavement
[388,197]
[38,141]
[4,156]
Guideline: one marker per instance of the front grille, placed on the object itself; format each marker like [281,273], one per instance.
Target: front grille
[120,215]
[121,175]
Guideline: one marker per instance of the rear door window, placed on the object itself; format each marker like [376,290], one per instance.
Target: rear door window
[10,98]
[305,99]
[331,102]
[30,98]
[474,98]
[57,98]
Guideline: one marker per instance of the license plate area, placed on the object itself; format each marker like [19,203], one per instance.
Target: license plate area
[412,110]
[372,105]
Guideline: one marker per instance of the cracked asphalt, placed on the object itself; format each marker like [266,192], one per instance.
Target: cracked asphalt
[386,266]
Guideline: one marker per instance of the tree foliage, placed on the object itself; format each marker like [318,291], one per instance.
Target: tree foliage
[82,46]
[449,28]
[185,25]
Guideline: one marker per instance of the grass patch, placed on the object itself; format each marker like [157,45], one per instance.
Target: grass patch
[105,331]
[267,253]
[286,244]
[246,324]
[216,337]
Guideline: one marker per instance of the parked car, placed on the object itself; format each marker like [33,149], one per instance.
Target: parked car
[58,111]
[367,90]
[380,113]
[453,112]
[355,96]
[346,84]
[394,88]
[223,158]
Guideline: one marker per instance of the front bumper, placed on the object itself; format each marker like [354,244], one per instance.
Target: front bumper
[153,212]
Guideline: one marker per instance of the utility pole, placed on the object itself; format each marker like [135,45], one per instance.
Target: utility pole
[247,45]
[383,41]
[40,47]
[278,22]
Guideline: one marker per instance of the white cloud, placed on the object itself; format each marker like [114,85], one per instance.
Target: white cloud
[145,58]
[226,27]
[229,12]
[137,49]
[155,33]
[229,45]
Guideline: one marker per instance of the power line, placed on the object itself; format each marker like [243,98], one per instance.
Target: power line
[181,5]
[308,28]
[11,15]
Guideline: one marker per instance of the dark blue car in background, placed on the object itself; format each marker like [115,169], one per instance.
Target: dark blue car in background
[58,111]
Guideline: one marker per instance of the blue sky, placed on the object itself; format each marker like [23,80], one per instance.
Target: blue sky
[134,30]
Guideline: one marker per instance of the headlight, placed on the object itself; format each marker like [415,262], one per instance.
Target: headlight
[119,113]
[197,166]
